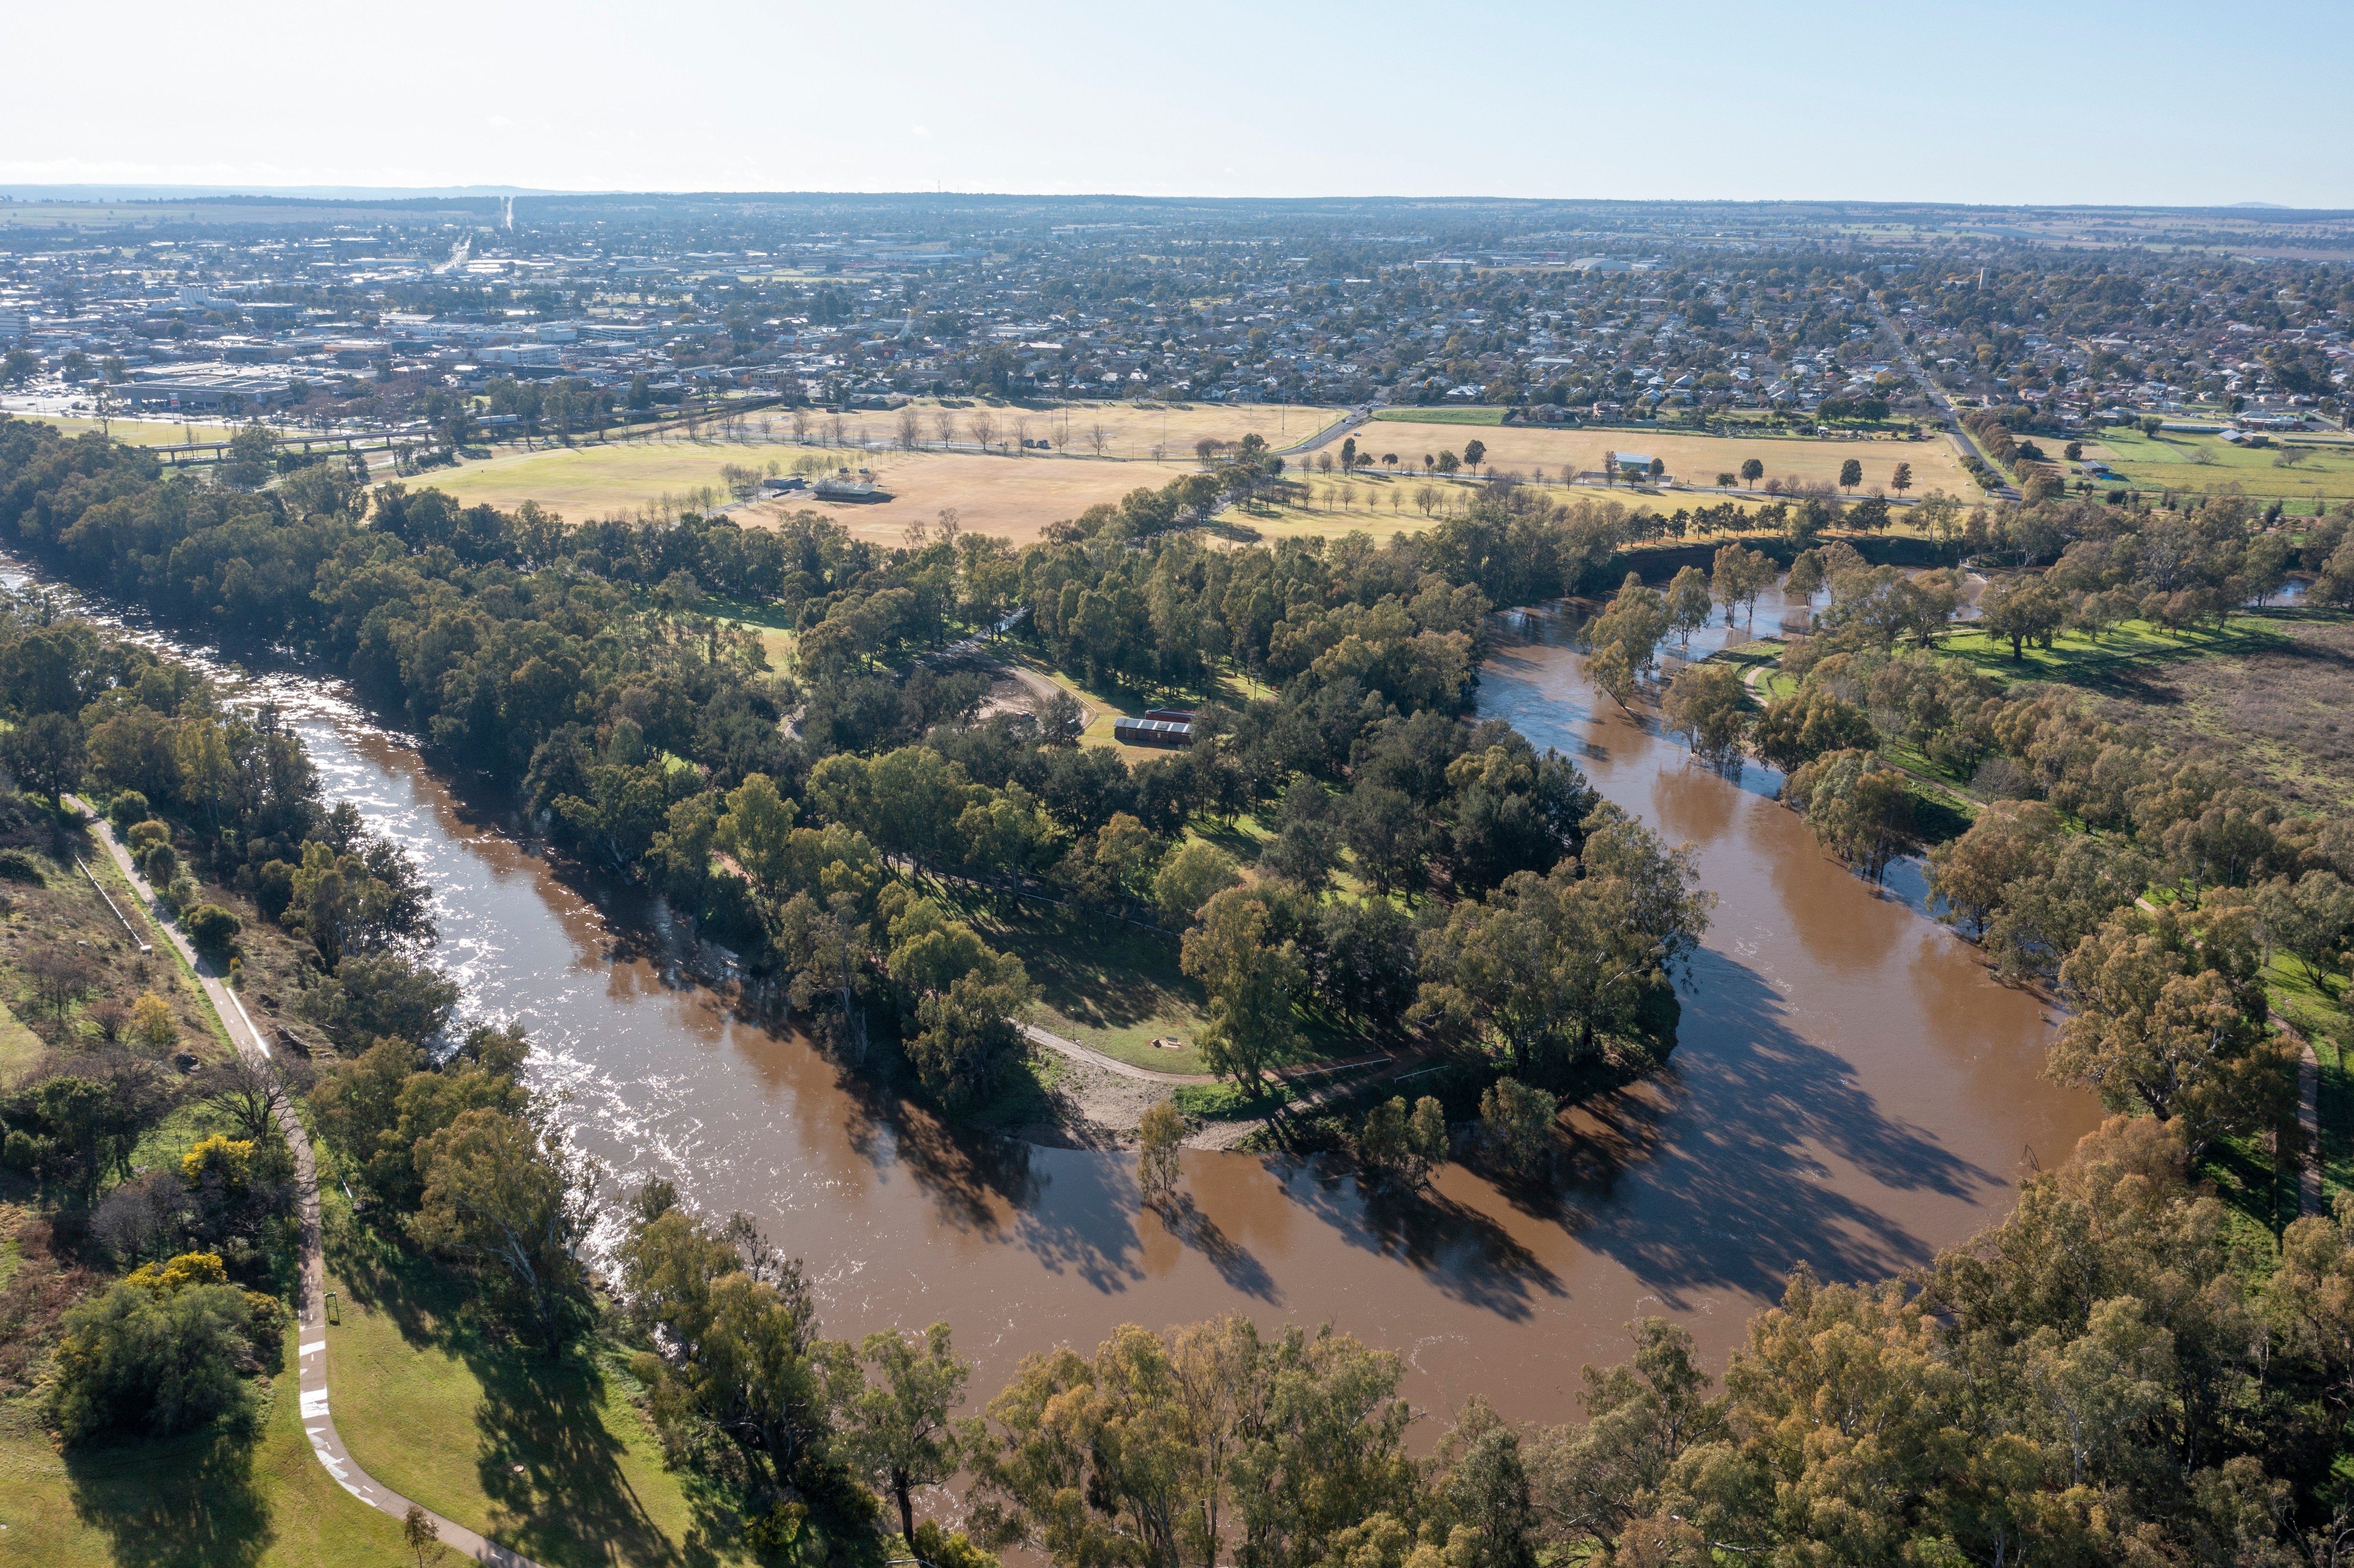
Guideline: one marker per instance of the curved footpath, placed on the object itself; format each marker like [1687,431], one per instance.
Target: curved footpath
[311,1313]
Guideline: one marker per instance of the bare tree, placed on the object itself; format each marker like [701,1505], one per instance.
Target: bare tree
[911,427]
[248,1094]
[835,426]
[60,977]
[950,524]
[945,422]
[1098,437]
[1020,433]
[983,426]
[800,419]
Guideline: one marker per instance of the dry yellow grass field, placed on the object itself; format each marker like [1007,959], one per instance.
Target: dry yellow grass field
[1012,496]
[1385,506]
[137,432]
[593,480]
[1694,459]
[1129,429]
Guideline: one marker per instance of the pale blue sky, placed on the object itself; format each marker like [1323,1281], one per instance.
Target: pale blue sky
[2148,103]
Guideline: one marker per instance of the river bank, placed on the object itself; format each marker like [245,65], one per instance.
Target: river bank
[1849,1090]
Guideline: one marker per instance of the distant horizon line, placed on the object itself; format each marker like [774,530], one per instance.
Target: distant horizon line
[159,191]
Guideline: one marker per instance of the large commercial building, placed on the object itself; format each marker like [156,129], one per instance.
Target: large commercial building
[200,388]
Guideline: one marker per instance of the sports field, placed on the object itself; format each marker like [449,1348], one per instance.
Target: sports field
[1386,507]
[1012,496]
[137,432]
[2320,467]
[1691,459]
[1129,429]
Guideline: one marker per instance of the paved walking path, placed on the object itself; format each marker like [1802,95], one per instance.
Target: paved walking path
[1094,1058]
[310,1311]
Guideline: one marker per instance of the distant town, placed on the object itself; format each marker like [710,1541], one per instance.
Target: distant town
[559,322]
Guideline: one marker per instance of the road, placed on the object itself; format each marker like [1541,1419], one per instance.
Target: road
[1937,398]
[311,1310]
[1354,421]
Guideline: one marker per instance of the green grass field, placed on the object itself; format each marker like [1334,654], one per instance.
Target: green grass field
[582,481]
[2073,655]
[19,1047]
[1442,415]
[2173,461]
[1115,991]
[774,627]
[136,432]
[208,1501]
[550,1459]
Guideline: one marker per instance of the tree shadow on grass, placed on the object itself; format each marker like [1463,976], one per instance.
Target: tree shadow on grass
[1115,981]
[546,1459]
[191,1502]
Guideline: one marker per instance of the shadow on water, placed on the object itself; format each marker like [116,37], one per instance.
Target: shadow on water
[1460,1250]
[1184,1220]
[1845,1077]
[1734,1144]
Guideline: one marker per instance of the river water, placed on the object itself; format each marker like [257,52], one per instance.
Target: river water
[1849,1090]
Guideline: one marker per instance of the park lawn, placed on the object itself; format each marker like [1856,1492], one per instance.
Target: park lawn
[1691,458]
[549,1459]
[2074,655]
[136,432]
[595,479]
[1115,989]
[1331,509]
[1133,430]
[1107,702]
[1119,987]
[204,1500]
[1334,507]
[2319,1010]
[769,621]
[2259,1195]
[2165,462]
[1440,416]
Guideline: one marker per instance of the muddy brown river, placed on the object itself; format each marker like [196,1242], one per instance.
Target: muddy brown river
[1849,1090]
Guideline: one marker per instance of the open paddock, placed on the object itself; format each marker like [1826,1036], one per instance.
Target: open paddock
[1014,497]
[140,432]
[2190,463]
[1386,506]
[1694,459]
[1128,430]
